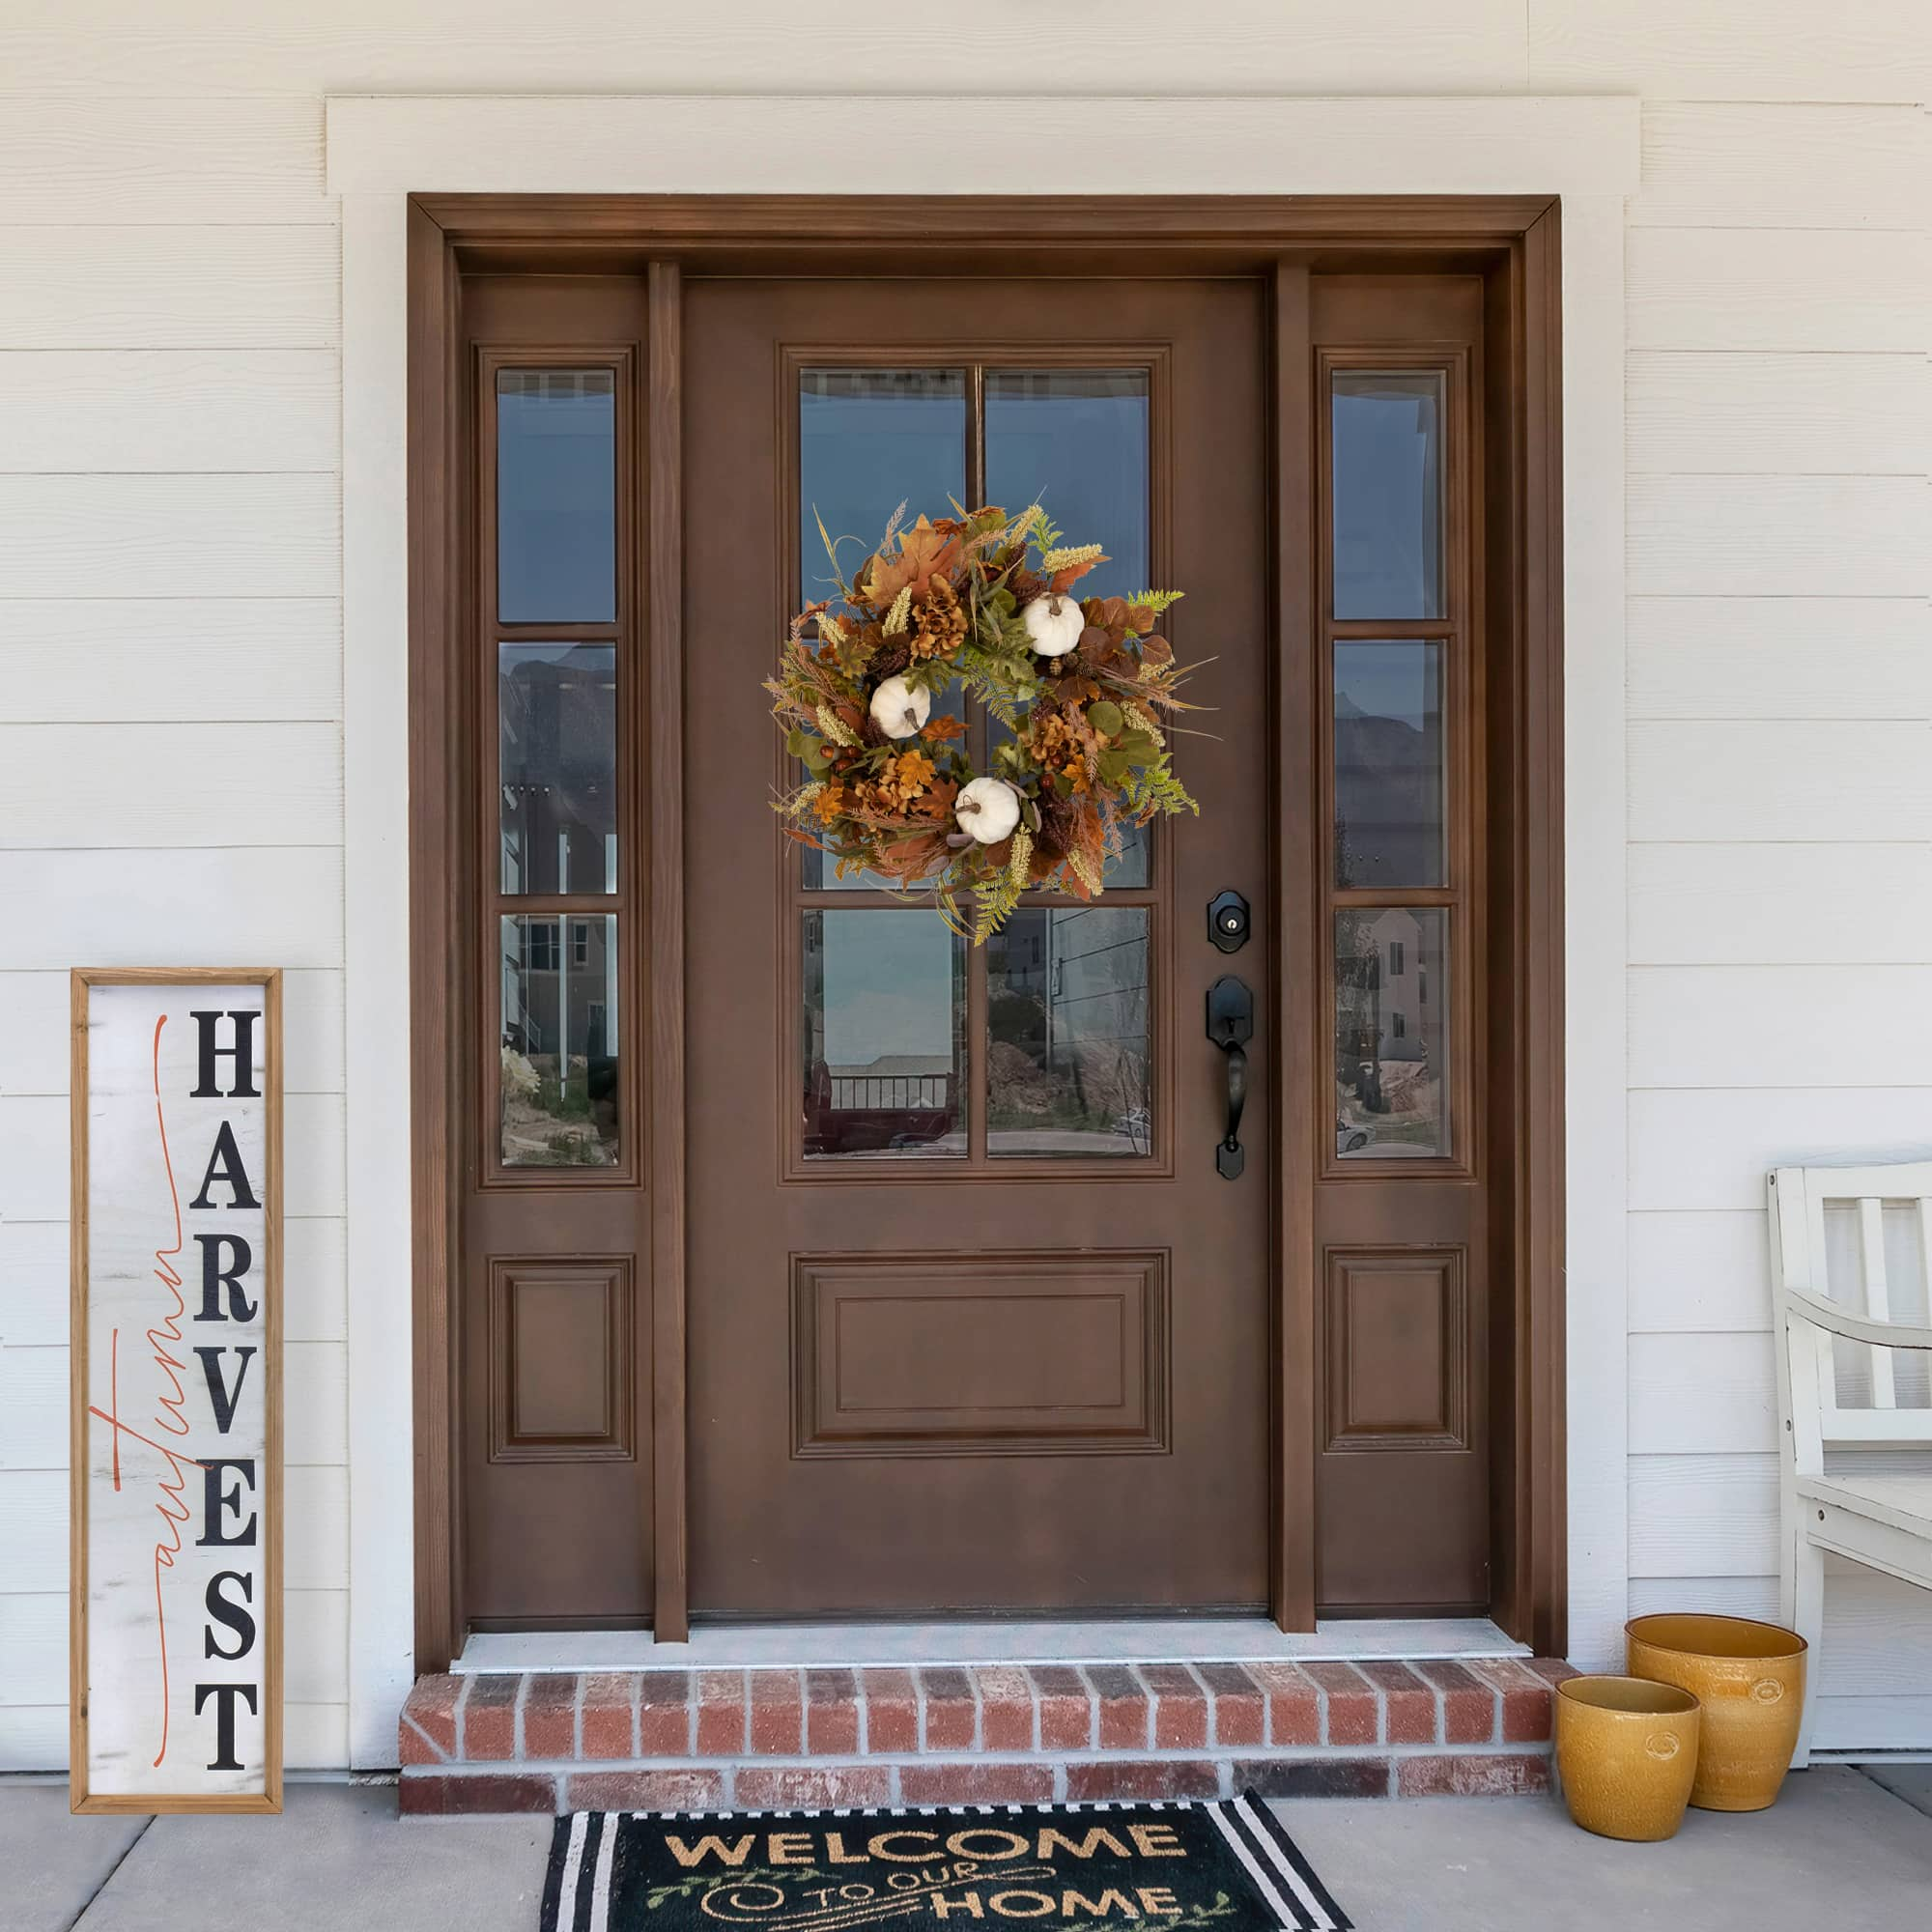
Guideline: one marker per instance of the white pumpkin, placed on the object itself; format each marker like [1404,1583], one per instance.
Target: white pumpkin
[899,709]
[988,808]
[1054,622]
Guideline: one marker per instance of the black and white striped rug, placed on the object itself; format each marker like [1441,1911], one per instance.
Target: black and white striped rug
[1226,1866]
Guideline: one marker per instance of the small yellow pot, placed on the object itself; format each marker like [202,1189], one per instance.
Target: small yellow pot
[1749,1677]
[1626,1752]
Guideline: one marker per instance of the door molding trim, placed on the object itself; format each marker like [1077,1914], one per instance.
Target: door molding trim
[379,150]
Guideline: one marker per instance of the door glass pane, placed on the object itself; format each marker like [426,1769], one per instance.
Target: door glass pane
[1388,764]
[1077,441]
[559,1047]
[884,1035]
[557,737]
[1068,1054]
[1387,460]
[1391,1032]
[868,441]
[557,497]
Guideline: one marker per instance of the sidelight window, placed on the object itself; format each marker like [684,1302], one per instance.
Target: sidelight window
[556,629]
[1400,712]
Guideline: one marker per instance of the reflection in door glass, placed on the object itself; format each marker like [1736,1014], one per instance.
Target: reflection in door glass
[1391,1032]
[868,441]
[1076,440]
[558,976]
[557,497]
[556,767]
[1068,1052]
[1388,764]
[883,1033]
[1386,429]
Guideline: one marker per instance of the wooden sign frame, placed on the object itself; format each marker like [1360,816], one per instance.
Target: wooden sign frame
[262,1608]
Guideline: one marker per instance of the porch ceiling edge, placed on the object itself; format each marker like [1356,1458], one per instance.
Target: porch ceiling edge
[1094,144]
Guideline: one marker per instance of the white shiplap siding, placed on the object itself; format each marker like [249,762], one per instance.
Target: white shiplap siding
[1780,746]
[170,744]
[170,642]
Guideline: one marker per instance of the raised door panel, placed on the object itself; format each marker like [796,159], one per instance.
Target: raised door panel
[1012,1354]
[560,1373]
[1398,1352]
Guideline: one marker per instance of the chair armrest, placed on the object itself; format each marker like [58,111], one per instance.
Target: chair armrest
[1836,1320]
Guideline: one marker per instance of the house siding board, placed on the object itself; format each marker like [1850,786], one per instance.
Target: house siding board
[1780,931]
[170,566]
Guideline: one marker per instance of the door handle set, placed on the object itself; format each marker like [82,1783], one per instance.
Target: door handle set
[1230,1025]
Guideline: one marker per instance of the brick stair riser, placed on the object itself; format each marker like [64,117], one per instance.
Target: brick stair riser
[675,1740]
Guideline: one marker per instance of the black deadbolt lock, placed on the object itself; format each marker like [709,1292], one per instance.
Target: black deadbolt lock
[1228,921]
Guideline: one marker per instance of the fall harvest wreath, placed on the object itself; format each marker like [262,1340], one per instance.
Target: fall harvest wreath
[984,602]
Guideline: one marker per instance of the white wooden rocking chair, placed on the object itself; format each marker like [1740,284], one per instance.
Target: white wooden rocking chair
[1845,1214]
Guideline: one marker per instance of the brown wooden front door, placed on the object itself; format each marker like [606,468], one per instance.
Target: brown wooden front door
[972,1321]
[975,1323]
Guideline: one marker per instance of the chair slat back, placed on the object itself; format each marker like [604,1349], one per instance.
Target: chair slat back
[1859,1238]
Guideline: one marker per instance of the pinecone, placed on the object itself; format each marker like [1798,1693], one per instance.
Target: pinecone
[1058,823]
[871,733]
[1026,586]
[890,659]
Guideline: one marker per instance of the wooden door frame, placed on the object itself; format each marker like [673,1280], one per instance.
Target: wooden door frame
[1515,243]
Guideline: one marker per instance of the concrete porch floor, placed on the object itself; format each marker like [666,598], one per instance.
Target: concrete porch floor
[1840,1848]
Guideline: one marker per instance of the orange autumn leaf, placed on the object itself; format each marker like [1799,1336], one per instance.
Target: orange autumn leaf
[941,730]
[923,554]
[915,769]
[1066,579]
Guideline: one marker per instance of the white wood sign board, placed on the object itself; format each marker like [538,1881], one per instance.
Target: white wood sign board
[175,1591]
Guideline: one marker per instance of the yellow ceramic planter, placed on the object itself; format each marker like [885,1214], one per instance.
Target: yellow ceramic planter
[1625,1754]
[1749,1677]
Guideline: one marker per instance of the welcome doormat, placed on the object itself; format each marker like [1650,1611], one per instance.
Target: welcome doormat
[1226,1866]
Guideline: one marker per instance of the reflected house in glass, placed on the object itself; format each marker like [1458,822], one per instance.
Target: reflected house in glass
[1066,1015]
[558,758]
[882,1028]
[1390,810]
[559,1047]
[1390,1032]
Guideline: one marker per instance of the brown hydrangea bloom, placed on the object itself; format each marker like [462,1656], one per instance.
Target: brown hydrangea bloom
[938,621]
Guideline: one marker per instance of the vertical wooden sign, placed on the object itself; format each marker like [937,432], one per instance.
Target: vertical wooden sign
[176,1590]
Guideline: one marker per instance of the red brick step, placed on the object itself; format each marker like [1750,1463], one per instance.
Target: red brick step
[770,1739]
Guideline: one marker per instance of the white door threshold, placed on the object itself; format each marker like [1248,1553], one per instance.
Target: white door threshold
[1113,1640]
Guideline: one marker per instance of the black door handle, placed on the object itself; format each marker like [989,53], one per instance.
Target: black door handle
[1230,1025]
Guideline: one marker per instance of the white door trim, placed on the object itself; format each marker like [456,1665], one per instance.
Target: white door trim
[382,149]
